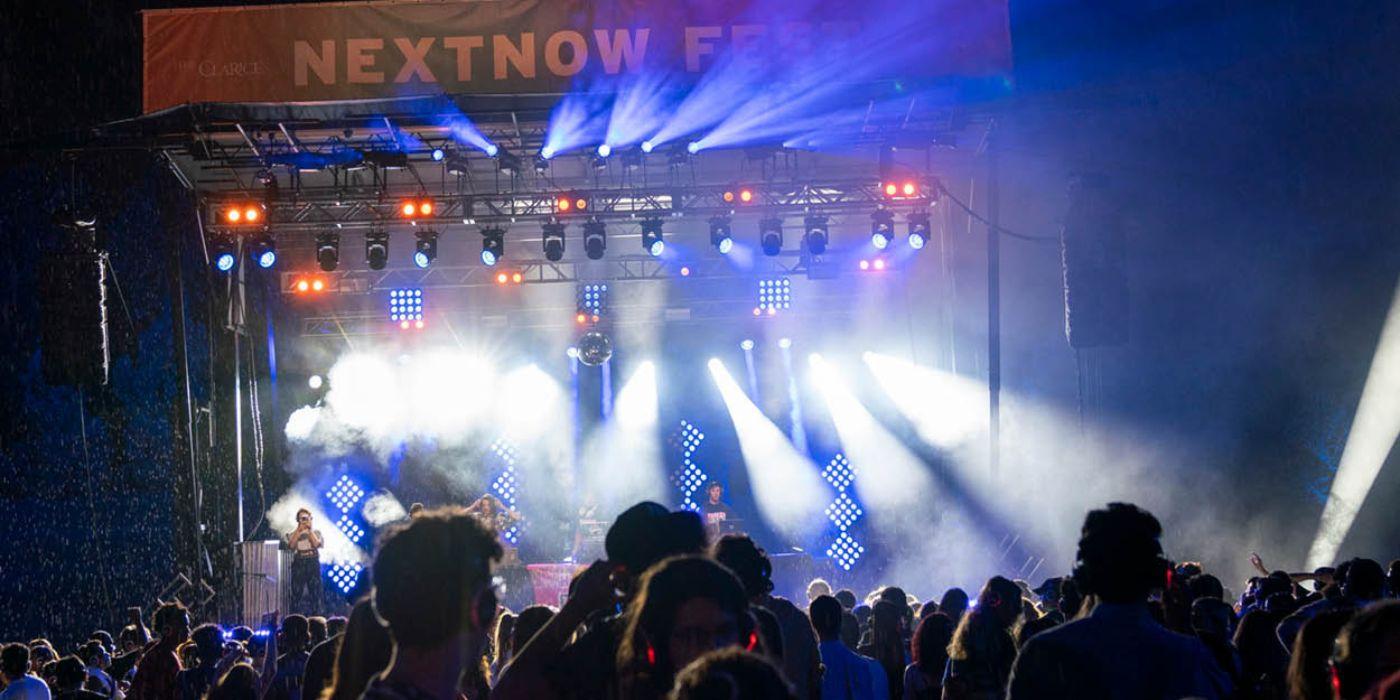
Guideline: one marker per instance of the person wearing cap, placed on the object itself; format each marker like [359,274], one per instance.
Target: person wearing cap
[549,666]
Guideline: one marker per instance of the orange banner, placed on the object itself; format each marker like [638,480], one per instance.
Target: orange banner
[347,51]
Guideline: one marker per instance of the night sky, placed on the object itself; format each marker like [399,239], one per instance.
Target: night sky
[1255,142]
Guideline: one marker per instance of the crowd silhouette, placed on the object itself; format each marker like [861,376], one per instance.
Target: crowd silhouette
[669,614]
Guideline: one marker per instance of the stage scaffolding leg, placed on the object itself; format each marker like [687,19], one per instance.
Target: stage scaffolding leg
[993,308]
[236,325]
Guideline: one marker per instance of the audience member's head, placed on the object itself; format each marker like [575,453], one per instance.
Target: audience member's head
[14,661]
[1368,648]
[929,607]
[1212,617]
[647,533]
[316,629]
[70,673]
[825,613]
[930,643]
[294,634]
[172,622]
[1365,581]
[846,597]
[239,683]
[750,563]
[1204,586]
[130,639]
[900,599]
[818,587]
[530,621]
[862,615]
[208,643]
[105,638]
[242,634]
[94,654]
[998,607]
[953,603]
[432,581]
[335,625]
[1119,558]
[1281,605]
[1309,670]
[363,653]
[685,606]
[731,674]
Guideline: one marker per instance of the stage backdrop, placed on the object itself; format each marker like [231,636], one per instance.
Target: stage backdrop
[345,51]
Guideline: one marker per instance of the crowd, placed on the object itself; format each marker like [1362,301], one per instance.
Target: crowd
[670,615]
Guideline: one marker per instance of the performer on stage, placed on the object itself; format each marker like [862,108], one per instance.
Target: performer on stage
[493,513]
[304,578]
[715,511]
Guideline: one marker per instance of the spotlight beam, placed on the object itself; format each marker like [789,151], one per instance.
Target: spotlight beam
[1374,430]
[787,485]
[891,479]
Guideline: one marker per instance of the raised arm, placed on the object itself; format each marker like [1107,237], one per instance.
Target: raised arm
[526,675]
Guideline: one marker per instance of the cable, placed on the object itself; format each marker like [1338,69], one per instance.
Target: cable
[999,229]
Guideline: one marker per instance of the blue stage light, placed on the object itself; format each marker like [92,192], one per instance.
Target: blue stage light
[747,344]
[345,493]
[225,261]
[546,152]
[421,259]
[693,147]
[651,237]
[774,295]
[488,257]
[491,150]
[604,151]
[843,512]
[690,477]
[918,230]
[506,484]
[647,146]
[345,575]
[593,299]
[785,343]
[881,229]
[405,306]
[721,236]
[439,154]
[493,245]
[267,259]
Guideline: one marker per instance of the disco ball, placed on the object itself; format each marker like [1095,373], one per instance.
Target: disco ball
[594,348]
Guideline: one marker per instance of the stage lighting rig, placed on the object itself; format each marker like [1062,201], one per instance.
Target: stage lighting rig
[738,195]
[242,214]
[224,257]
[881,229]
[651,237]
[458,164]
[328,250]
[595,239]
[493,245]
[770,235]
[918,230]
[721,235]
[553,241]
[309,285]
[377,249]
[571,203]
[817,234]
[506,161]
[647,146]
[417,208]
[592,301]
[425,249]
[264,251]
